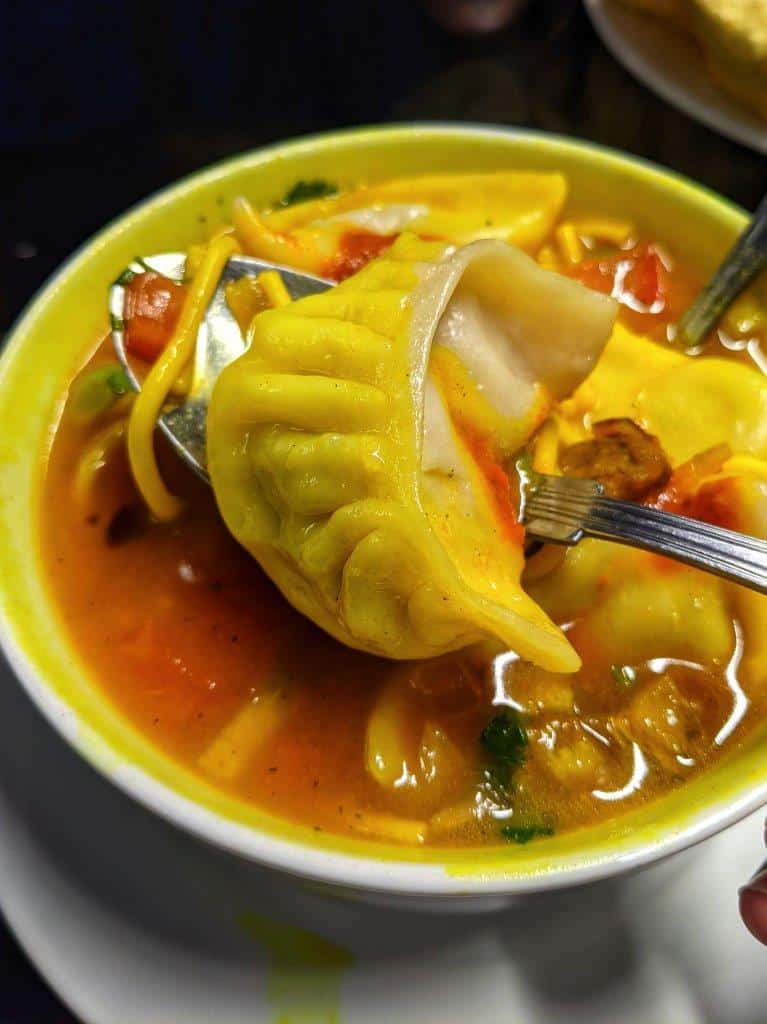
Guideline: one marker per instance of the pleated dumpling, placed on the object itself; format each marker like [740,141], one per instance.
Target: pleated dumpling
[357,448]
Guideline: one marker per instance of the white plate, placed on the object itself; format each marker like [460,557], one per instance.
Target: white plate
[133,922]
[671,65]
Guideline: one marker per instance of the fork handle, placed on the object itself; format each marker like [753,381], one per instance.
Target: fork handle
[734,556]
[746,259]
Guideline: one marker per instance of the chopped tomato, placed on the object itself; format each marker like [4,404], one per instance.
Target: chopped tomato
[498,482]
[714,502]
[717,503]
[599,275]
[637,278]
[152,307]
[356,248]
[646,278]
[652,293]
[687,494]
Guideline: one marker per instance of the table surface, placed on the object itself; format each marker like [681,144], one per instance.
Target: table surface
[102,116]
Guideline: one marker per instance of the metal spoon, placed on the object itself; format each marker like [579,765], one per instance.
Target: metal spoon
[746,259]
[552,508]
[219,342]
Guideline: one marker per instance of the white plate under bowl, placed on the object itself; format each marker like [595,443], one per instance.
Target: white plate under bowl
[134,922]
[671,64]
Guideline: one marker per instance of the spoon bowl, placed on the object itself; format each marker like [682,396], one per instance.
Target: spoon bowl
[219,342]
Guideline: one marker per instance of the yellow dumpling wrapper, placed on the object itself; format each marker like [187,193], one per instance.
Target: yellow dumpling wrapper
[630,609]
[520,207]
[743,479]
[689,403]
[337,461]
[705,402]
[629,365]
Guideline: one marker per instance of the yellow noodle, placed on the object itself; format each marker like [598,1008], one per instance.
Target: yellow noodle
[196,252]
[548,259]
[390,826]
[183,383]
[248,296]
[546,450]
[164,373]
[604,229]
[570,245]
[449,819]
[242,737]
[274,289]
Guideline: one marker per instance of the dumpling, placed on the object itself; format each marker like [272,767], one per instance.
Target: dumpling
[356,448]
[688,403]
[515,206]
[707,401]
[739,490]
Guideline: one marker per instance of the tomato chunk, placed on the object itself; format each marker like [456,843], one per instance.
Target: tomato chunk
[599,275]
[646,278]
[688,492]
[152,307]
[653,293]
[355,250]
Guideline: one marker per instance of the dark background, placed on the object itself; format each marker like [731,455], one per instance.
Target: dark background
[103,102]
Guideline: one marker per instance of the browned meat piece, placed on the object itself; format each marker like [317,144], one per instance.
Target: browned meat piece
[627,460]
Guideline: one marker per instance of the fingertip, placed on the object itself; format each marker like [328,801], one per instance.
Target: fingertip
[753,908]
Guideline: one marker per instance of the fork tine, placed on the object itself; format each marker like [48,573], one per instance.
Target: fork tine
[565,510]
[555,508]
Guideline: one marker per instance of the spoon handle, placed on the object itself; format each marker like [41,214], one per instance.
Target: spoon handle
[746,259]
[566,511]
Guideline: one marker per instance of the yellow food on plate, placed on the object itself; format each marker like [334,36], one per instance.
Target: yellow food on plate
[733,37]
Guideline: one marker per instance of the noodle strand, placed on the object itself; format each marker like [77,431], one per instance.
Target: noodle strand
[161,378]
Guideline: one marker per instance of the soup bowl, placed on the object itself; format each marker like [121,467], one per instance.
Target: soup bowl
[53,338]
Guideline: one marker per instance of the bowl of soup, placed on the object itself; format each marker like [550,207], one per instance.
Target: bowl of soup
[340,656]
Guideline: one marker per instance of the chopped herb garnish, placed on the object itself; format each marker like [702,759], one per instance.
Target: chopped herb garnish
[117,323]
[623,675]
[524,833]
[118,383]
[504,740]
[96,392]
[126,277]
[316,188]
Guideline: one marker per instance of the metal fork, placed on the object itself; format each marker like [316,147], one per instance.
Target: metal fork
[741,265]
[564,510]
